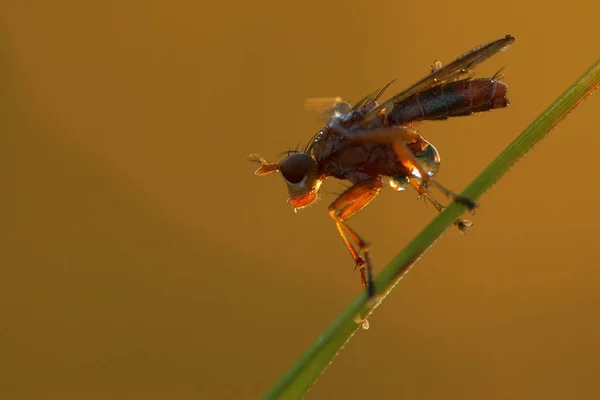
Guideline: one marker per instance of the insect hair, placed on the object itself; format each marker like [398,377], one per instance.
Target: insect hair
[309,146]
[373,96]
[287,153]
[499,75]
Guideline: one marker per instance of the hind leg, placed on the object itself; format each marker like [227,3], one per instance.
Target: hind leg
[461,224]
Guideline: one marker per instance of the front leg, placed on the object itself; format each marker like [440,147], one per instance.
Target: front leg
[346,205]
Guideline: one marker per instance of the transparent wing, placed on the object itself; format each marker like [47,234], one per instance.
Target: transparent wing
[327,107]
[451,71]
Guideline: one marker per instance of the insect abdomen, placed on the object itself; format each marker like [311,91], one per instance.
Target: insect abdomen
[453,99]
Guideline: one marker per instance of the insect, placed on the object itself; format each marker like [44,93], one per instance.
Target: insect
[368,143]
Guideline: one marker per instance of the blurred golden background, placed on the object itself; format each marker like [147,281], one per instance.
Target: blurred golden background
[140,257]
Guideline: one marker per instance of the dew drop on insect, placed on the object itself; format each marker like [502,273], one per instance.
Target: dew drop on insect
[342,108]
[416,173]
[396,185]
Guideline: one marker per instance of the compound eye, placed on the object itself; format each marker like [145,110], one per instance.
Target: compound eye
[296,167]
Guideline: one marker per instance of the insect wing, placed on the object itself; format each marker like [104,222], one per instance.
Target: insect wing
[451,71]
[327,108]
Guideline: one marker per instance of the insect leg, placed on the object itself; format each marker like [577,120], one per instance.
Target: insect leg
[462,224]
[399,136]
[346,205]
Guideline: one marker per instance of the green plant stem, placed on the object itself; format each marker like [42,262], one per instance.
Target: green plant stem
[296,382]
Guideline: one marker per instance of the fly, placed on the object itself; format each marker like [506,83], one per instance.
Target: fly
[368,143]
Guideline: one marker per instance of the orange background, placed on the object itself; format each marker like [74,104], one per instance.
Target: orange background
[140,258]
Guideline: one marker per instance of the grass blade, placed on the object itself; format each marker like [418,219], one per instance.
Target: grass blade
[304,373]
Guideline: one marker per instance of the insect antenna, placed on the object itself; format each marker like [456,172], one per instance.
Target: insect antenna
[256,158]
